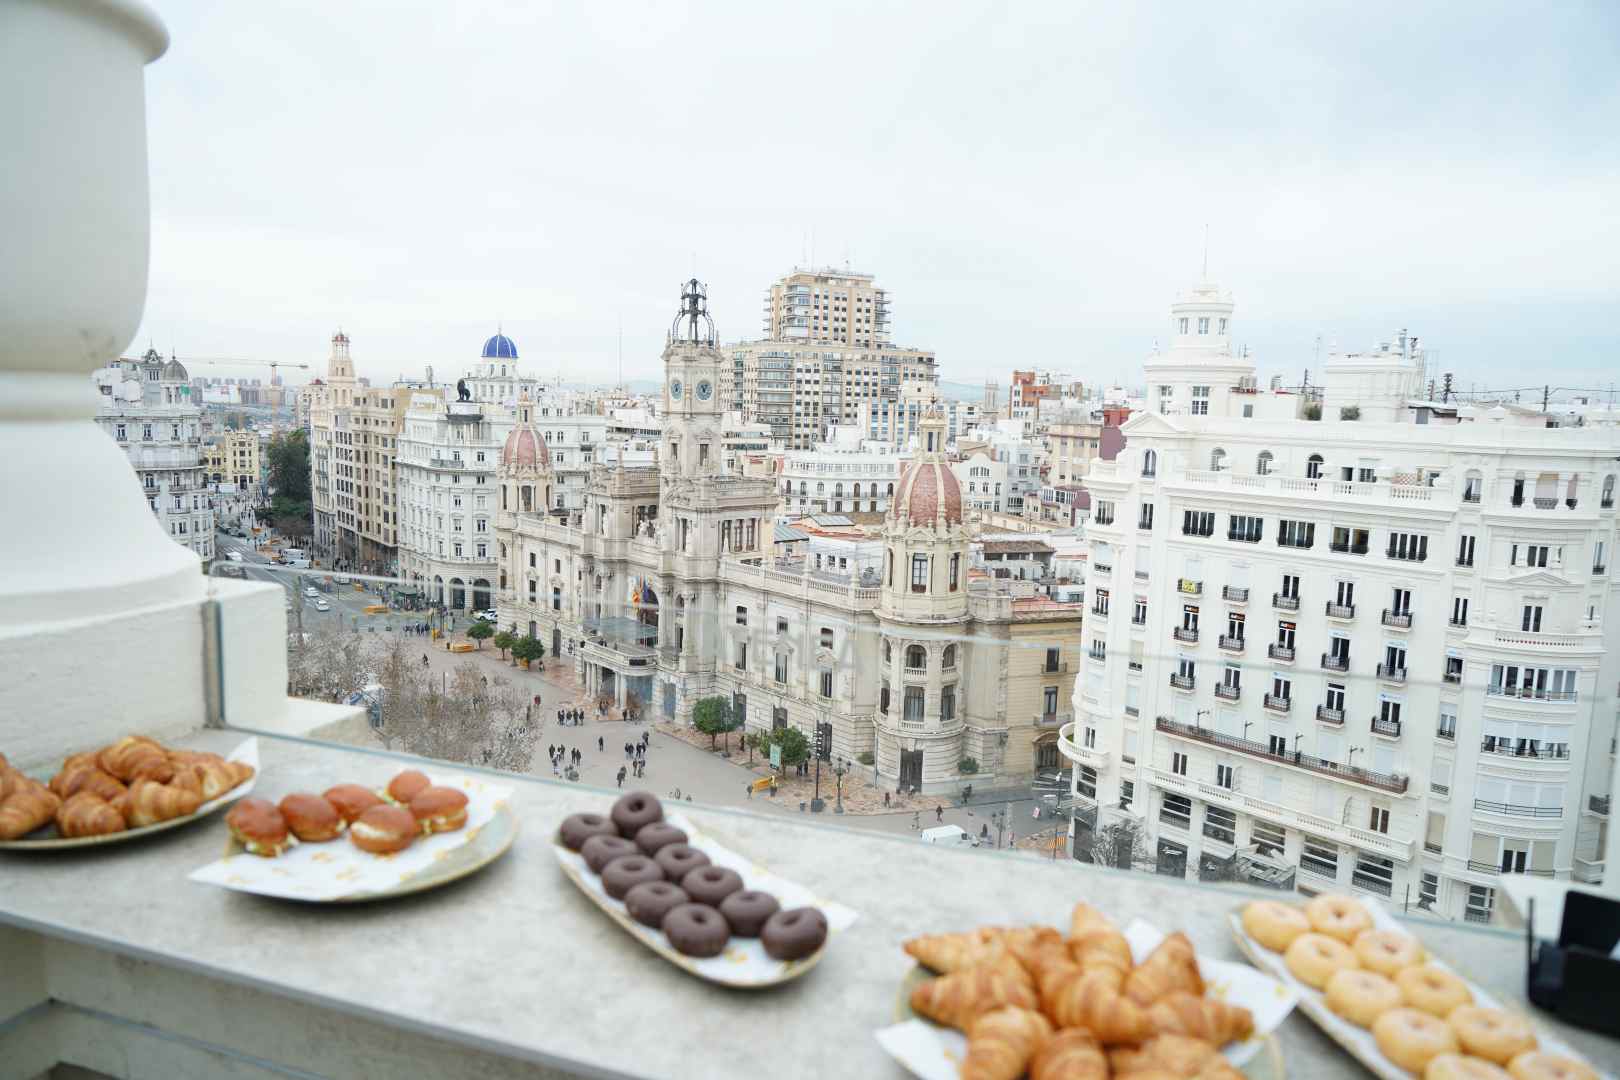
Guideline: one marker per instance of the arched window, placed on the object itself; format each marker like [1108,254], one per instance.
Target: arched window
[888,652]
[1313,467]
[891,491]
[1150,463]
[838,490]
[1217,460]
[821,488]
[891,582]
[916,657]
[855,491]
[1473,486]
[804,489]
[949,657]
[1608,492]
[1262,464]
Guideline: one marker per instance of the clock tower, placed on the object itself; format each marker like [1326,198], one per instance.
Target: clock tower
[693,414]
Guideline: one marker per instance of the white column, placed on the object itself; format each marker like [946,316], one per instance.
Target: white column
[73,265]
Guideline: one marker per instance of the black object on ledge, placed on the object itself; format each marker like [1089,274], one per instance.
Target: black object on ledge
[1578,979]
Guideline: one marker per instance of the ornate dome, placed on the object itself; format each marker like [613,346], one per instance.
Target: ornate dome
[525,450]
[500,347]
[175,371]
[927,492]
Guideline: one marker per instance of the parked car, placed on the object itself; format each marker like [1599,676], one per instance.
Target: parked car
[487,615]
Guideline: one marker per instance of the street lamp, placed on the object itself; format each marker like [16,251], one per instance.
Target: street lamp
[839,770]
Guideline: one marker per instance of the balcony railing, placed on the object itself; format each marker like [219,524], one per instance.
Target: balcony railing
[1483,867]
[1234,594]
[1458,624]
[1335,662]
[1599,568]
[1476,915]
[1405,555]
[1447,733]
[1339,611]
[1606,503]
[1182,682]
[1228,692]
[1330,716]
[1284,603]
[1370,882]
[1470,497]
[1392,728]
[1442,790]
[1278,703]
[1230,643]
[1384,781]
[1188,634]
[1598,804]
[1400,620]
[1348,549]
[1541,753]
[1053,719]
[1529,693]
[1432,848]
[1098,609]
[1452,677]
[1135,621]
[1059,668]
[1284,653]
[1391,673]
[1190,587]
[1515,810]
[1543,503]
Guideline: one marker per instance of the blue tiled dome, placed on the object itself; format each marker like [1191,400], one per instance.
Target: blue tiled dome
[500,347]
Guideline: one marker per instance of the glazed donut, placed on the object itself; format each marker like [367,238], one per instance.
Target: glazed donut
[1491,1033]
[1462,1067]
[1540,1065]
[1273,924]
[1361,996]
[1411,1038]
[1387,951]
[1313,958]
[1432,989]
[635,811]
[1340,917]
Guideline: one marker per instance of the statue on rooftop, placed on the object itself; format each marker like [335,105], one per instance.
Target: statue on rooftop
[462,393]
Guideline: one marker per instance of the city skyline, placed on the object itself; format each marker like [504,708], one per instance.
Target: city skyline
[580,169]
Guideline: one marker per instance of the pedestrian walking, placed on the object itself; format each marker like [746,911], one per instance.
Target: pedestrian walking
[939,813]
[621,776]
[600,744]
[885,800]
[916,819]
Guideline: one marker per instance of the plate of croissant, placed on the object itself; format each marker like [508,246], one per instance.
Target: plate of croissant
[133,787]
[999,1003]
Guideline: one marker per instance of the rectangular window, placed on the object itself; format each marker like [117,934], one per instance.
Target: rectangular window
[919,573]
[742,616]
[1349,541]
[1178,763]
[742,656]
[947,704]
[1272,839]
[1223,776]
[1408,547]
[1198,523]
[1320,857]
[1144,518]
[914,704]
[956,567]
[1530,619]
[781,667]
[1297,534]
[1380,819]
[1139,613]
[1459,611]
[1429,890]
[1290,586]
[1245,527]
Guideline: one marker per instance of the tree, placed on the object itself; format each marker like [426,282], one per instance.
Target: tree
[1121,843]
[1313,411]
[528,648]
[480,631]
[327,665]
[480,720]
[505,640]
[290,509]
[794,746]
[712,716]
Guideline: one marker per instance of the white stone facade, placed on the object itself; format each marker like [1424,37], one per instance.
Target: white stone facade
[145,406]
[1309,643]
[846,474]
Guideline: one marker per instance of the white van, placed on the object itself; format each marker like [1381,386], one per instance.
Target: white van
[234,556]
[948,834]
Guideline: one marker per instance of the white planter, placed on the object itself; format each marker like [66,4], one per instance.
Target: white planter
[80,541]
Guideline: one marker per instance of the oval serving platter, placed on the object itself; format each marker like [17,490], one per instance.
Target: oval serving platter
[744,963]
[45,837]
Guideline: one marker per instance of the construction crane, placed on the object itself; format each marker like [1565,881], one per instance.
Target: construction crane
[237,361]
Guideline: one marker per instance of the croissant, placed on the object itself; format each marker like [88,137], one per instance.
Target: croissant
[85,777]
[1182,1013]
[1071,1054]
[946,953]
[87,814]
[148,802]
[961,997]
[1001,1042]
[1097,944]
[1177,1054]
[10,780]
[1171,967]
[30,805]
[135,757]
[1088,999]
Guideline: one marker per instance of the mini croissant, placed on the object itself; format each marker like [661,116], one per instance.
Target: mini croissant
[1097,944]
[1089,999]
[1182,1013]
[135,757]
[1172,967]
[1001,1043]
[1071,1054]
[86,814]
[85,777]
[946,953]
[30,805]
[148,802]
[961,997]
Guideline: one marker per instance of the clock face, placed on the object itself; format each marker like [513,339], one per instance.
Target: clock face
[675,388]
[704,390]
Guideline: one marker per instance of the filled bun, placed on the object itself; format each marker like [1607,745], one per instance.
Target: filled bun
[383,830]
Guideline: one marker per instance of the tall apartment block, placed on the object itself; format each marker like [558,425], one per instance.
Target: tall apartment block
[1372,653]
[826,359]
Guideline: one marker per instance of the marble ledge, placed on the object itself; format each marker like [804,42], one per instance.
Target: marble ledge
[514,967]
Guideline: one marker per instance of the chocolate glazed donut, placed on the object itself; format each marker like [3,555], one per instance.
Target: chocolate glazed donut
[626,872]
[636,811]
[598,851]
[696,930]
[660,834]
[711,884]
[747,911]
[794,934]
[578,828]
[650,901]
[678,860]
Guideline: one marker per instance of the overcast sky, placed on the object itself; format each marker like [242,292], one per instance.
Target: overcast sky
[1031,182]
